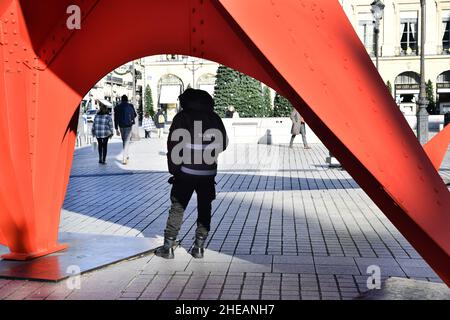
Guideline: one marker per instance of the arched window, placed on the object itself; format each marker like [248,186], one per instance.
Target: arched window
[444,77]
[408,77]
[206,82]
[169,88]
[443,92]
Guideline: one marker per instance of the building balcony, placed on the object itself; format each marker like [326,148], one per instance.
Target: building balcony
[401,51]
[443,50]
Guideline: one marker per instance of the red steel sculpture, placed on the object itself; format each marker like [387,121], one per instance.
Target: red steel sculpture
[305,49]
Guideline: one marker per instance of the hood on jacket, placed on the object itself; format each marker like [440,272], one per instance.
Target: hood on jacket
[196,100]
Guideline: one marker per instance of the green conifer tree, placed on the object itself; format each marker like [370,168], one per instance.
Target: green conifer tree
[430,97]
[251,103]
[267,102]
[149,101]
[225,89]
[281,106]
[233,88]
[389,86]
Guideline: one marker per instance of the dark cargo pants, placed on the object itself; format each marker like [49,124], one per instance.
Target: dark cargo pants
[182,189]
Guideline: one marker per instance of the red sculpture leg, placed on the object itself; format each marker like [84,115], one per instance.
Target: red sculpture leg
[335,85]
[31,198]
[437,147]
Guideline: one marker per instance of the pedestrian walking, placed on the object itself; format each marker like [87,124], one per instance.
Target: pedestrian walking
[160,122]
[298,127]
[124,115]
[200,134]
[103,130]
[147,125]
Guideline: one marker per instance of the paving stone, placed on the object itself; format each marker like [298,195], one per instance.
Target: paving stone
[249,267]
[297,259]
[416,272]
[334,261]
[207,267]
[292,268]
[275,224]
[257,259]
[350,270]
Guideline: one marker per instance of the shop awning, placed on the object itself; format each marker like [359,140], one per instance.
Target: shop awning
[407,91]
[169,93]
[106,103]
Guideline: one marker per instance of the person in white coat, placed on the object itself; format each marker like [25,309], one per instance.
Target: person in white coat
[298,127]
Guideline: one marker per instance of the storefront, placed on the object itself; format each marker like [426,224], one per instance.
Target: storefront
[443,92]
[407,88]
[170,87]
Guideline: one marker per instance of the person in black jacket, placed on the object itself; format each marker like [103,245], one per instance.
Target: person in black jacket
[196,137]
[124,115]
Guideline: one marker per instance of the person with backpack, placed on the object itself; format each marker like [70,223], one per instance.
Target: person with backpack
[103,130]
[160,122]
[196,138]
[124,115]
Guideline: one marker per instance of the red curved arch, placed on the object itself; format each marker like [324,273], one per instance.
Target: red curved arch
[306,50]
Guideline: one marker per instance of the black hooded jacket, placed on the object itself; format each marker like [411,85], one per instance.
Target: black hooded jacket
[190,150]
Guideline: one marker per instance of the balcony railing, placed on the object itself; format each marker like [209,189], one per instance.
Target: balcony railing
[444,50]
[399,51]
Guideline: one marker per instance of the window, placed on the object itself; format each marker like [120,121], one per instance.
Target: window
[366,35]
[444,77]
[408,42]
[408,33]
[171,57]
[408,78]
[446,32]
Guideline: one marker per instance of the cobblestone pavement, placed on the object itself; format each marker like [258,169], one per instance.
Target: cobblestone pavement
[284,226]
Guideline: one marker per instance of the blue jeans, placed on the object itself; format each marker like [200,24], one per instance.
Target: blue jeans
[125,133]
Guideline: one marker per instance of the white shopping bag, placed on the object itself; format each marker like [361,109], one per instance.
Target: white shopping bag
[94,145]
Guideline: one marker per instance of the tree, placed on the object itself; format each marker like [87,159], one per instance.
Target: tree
[250,98]
[389,86]
[233,88]
[430,97]
[281,106]
[225,89]
[149,101]
[267,101]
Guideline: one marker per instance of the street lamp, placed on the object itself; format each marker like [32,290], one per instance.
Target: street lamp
[377,12]
[135,100]
[422,113]
[192,66]
[112,87]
